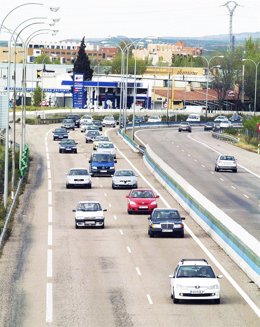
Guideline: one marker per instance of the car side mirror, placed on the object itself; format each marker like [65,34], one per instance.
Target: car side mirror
[115,161]
[157,196]
[220,276]
[149,218]
[89,161]
[183,218]
[127,196]
[73,210]
[171,276]
[104,209]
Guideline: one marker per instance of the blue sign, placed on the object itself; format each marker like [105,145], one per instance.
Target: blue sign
[79,99]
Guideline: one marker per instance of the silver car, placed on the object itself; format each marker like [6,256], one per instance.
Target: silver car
[78,177]
[124,178]
[91,135]
[106,147]
[68,123]
[226,162]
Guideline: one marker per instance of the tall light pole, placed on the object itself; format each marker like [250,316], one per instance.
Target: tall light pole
[54,9]
[256,69]
[207,85]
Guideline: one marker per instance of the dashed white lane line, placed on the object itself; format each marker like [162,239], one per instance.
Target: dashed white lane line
[48,164]
[233,187]
[128,249]
[138,271]
[49,303]
[49,185]
[121,232]
[212,172]
[195,160]
[149,299]
[110,205]
[49,173]
[105,194]
[49,198]
[49,235]
[115,217]
[182,150]
[101,185]
[222,180]
[49,214]
[246,196]
[49,263]
[189,155]
[203,166]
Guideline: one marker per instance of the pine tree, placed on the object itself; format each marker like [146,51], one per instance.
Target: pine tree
[82,63]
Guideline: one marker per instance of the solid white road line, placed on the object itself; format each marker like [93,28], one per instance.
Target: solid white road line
[50,235]
[206,251]
[49,303]
[49,173]
[49,184]
[49,214]
[49,198]
[48,164]
[49,263]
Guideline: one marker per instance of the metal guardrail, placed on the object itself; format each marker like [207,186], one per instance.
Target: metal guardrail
[9,214]
[225,137]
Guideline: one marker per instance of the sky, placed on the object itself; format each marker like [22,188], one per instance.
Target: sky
[134,18]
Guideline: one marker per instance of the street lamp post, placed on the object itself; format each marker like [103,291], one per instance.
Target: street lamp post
[256,69]
[207,85]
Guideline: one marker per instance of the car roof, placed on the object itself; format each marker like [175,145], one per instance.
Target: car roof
[90,201]
[193,262]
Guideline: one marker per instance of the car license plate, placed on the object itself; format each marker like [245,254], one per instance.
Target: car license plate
[143,207]
[167,230]
[89,223]
[196,292]
[68,149]
[103,171]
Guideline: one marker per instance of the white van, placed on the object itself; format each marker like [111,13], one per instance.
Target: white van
[193,117]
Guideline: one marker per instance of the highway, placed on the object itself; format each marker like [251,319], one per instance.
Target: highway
[54,275]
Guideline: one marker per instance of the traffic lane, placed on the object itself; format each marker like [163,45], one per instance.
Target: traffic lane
[235,193]
[93,277]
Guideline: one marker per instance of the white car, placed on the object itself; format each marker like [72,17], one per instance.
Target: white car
[79,177]
[101,138]
[225,124]
[109,121]
[226,162]
[86,119]
[84,125]
[89,214]
[106,147]
[220,119]
[124,178]
[154,119]
[194,279]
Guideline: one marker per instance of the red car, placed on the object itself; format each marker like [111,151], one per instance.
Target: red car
[141,200]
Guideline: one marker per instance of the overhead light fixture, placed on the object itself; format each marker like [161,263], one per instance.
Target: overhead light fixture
[54,9]
[56,20]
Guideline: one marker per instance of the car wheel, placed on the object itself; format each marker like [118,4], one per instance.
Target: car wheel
[113,186]
[171,296]
[76,151]
[129,212]
[179,130]
[90,186]
[182,235]
[86,141]
[67,186]
[76,226]
[235,170]
[151,234]
[175,300]
[217,301]
[60,151]
[216,169]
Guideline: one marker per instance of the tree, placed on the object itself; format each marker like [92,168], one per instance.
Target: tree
[43,58]
[37,96]
[82,63]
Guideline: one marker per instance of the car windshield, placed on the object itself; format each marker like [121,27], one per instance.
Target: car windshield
[89,206]
[106,145]
[102,157]
[109,118]
[68,121]
[142,194]
[227,158]
[124,173]
[72,142]
[60,130]
[74,172]
[166,214]
[195,271]
[94,132]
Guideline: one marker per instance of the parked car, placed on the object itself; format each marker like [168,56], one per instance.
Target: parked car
[226,162]
[89,214]
[219,119]
[75,118]
[68,145]
[68,123]
[59,134]
[78,177]
[141,201]
[184,127]
[91,135]
[209,126]
[165,221]
[124,178]
[102,164]
[194,279]
[109,121]
[101,138]
[154,119]
[106,147]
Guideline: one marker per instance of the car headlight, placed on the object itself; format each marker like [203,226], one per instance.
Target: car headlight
[80,217]
[113,167]
[153,203]
[213,287]
[156,226]
[132,202]
[94,167]
[178,225]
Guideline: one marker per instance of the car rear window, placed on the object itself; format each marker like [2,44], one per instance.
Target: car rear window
[227,158]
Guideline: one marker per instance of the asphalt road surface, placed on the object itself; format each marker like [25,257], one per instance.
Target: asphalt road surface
[54,275]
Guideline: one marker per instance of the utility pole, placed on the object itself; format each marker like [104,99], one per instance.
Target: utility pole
[231,6]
